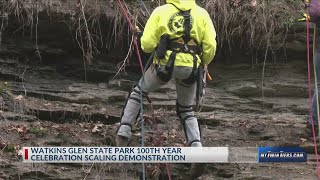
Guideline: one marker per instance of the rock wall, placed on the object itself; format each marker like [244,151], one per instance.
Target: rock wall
[47,102]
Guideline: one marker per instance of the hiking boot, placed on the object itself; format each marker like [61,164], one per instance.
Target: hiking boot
[196,170]
[122,141]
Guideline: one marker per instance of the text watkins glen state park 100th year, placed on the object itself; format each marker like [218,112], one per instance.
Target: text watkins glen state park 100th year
[124,154]
[107,154]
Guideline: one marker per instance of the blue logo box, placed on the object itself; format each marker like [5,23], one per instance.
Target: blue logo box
[281,154]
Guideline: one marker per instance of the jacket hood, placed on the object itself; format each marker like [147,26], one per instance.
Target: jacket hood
[183,5]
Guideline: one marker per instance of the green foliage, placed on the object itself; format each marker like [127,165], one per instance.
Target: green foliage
[9,148]
[3,87]
[38,131]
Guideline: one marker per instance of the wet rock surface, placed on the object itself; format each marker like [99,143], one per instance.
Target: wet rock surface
[42,107]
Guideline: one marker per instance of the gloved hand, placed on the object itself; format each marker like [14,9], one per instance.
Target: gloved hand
[305,16]
[136,30]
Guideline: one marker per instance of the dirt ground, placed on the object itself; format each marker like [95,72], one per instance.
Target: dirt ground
[46,108]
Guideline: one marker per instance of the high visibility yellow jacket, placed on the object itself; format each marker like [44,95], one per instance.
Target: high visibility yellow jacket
[164,20]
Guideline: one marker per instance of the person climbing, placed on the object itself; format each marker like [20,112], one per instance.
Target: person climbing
[183,36]
[314,16]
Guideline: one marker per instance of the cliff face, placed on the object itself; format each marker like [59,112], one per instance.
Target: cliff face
[54,97]
[96,28]
[42,106]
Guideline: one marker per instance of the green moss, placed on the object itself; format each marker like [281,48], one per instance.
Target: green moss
[38,131]
[10,148]
[3,87]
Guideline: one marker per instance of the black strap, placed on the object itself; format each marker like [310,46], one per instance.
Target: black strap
[187,25]
[187,22]
[170,63]
[194,141]
[175,6]
[127,124]
[143,93]
[138,92]
[182,122]
[195,62]
[187,117]
[164,77]
[135,99]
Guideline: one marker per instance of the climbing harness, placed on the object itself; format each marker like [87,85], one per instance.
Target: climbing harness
[183,44]
[309,90]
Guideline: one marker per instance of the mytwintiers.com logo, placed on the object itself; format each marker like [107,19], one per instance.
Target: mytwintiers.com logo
[282,154]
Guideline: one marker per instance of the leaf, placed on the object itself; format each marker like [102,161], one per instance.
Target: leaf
[20,129]
[87,171]
[173,133]
[95,129]
[19,152]
[303,140]
[253,3]
[55,126]
[100,125]
[19,98]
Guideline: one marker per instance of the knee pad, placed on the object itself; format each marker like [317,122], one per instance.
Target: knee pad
[136,97]
[184,113]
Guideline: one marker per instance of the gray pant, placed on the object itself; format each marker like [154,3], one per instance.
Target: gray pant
[185,99]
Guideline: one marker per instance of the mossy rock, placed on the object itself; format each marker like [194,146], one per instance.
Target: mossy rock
[10,148]
[38,131]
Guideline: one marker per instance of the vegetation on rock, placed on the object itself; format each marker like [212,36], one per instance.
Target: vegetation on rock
[252,25]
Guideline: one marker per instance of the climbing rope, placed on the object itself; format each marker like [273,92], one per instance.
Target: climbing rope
[309,90]
[126,15]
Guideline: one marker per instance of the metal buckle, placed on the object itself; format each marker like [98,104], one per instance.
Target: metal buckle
[186,48]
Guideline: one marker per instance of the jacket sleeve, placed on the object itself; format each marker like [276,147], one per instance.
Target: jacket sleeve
[209,43]
[151,33]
